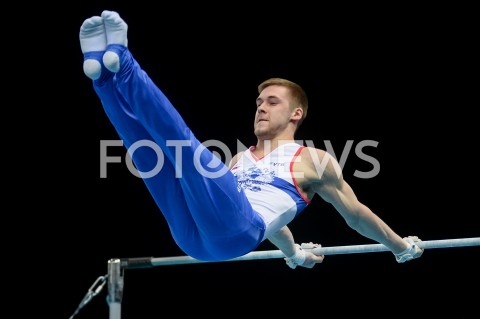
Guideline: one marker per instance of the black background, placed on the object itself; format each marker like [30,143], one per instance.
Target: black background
[405,80]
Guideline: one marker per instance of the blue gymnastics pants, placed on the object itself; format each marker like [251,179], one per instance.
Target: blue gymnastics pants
[209,218]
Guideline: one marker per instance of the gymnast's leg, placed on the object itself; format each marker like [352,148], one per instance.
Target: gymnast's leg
[168,195]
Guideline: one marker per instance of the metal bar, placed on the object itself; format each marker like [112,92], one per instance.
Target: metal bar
[335,250]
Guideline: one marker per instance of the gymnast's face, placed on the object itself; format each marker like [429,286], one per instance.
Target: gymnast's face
[274,112]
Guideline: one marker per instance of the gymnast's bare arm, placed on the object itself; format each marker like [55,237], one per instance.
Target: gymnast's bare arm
[323,176]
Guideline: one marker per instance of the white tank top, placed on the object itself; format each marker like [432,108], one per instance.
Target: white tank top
[270,185]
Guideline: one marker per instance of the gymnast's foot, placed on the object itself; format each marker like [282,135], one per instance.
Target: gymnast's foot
[116,34]
[92,40]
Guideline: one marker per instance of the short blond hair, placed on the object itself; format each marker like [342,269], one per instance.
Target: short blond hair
[299,96]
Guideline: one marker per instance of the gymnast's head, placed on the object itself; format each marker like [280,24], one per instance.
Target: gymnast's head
[281,106]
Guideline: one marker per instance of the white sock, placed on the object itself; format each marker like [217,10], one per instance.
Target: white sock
[92,38]
[116,30]
[92,35]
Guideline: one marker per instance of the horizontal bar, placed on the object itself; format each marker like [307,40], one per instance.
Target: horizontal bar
[355,249]
[272,254]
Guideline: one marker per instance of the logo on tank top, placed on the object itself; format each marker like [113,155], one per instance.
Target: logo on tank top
[254,177]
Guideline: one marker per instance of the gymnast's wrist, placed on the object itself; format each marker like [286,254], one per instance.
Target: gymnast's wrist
[298,258]
[411,252]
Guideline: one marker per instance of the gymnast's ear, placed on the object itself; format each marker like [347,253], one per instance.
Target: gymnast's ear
[297,114]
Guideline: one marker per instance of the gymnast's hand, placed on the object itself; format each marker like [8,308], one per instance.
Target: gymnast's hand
[311,259]
[412,252]
[304,257]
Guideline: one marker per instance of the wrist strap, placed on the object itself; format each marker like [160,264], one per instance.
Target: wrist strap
[407,254]
[298,258]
